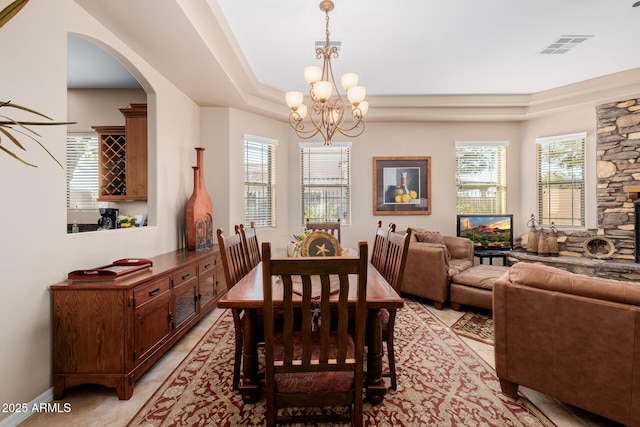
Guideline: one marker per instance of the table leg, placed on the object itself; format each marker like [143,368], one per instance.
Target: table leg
[250,387]
[376,388]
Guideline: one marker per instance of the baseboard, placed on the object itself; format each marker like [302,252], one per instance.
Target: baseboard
[39,403]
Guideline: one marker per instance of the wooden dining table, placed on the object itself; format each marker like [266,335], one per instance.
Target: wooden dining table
[247,295]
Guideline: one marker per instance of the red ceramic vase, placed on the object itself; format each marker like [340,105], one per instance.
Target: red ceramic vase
[199,209]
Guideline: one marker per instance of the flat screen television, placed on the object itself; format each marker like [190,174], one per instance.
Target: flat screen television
[487,231]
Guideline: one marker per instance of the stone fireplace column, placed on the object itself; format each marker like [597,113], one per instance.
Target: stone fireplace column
[618,169]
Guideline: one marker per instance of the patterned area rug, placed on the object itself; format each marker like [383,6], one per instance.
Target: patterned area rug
[476,326]
[441,382]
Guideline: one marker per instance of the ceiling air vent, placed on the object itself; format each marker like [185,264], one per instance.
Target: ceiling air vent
[563,44]
[332,43]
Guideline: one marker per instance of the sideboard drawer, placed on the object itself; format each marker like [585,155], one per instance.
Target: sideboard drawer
[150,291]
[184,275]
[207,265]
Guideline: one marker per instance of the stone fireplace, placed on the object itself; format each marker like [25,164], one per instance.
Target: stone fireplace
[618,173]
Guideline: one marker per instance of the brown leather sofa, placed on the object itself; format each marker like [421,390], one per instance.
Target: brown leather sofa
[570,336]
[430,266]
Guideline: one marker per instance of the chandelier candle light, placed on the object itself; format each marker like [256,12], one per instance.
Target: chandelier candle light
[327,114]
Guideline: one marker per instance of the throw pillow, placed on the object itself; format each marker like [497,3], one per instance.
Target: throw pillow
[430,237]
[433,237]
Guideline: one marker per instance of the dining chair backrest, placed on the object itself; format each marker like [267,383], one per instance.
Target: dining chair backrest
[251,245]
[332,228]
[233,257]
[396,259]
[380,242]
[307,367]
[235,268]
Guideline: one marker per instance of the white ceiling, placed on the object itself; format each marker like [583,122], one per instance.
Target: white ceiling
[405,47]
[439,46]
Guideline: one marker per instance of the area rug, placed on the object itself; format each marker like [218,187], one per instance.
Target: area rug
[476,326]
[441,382]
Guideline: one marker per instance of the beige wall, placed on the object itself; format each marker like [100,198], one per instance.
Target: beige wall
[35,250]
[435,139]
[100,107]
[223,131]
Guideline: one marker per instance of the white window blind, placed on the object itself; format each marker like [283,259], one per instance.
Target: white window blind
[560,165]
[325,182]
[481,177]
[82,171]
[259,181]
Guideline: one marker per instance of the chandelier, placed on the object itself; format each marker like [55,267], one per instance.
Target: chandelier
[327,114]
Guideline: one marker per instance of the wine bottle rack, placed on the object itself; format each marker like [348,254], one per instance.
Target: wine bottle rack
[123,157]
[113,158]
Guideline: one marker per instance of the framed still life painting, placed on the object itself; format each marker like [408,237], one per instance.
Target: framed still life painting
[402,185]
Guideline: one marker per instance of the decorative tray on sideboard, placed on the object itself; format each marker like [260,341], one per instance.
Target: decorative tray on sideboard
[115,270]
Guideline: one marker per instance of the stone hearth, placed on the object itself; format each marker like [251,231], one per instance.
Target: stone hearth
[592,267]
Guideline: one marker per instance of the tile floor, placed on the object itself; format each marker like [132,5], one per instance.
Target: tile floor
[95,406]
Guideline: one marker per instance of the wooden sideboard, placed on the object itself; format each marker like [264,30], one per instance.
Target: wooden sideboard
[111,332]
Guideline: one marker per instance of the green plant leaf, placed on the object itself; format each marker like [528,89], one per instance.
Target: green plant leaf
[9,152]
[23,124]
[12,138]
[23,108]
[9,12]
[10,125]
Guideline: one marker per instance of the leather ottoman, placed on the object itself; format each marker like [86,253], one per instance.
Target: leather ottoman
[474,286]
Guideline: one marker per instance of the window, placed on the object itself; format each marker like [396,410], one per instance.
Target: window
[481,177]
[259,181]
[82,171]
[325,182]
[560,165]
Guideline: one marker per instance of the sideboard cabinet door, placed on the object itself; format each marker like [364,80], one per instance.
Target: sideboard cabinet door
[88,344]
[211,281]
[152,318]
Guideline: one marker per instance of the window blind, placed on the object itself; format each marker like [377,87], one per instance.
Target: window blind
[82,171]
[560,167]
[481,177]
[325,182]
[259,181]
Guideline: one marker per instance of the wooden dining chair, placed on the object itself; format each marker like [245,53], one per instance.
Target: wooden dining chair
[251,245]
[393,271]
[332,228]
[233,257]
[379,252]
[308,368]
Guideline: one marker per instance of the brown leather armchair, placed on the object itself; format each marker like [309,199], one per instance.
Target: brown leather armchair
[430,266]
[572,337]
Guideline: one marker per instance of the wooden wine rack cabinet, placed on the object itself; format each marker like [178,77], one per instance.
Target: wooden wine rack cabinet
[123,157]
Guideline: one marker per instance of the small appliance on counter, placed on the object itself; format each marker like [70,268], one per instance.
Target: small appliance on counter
[108,218]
